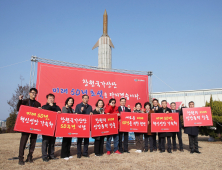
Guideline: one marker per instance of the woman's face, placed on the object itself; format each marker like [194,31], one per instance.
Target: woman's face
[70,102]
[147,107]
[138,107]
[100,104]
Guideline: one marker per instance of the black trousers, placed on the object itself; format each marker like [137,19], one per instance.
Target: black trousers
[193,142]
[154,142]
[162,143]
[23,141]
[126,135]
[179,136]
[66,144]
[98,145]
[79,146]
[150,137]
[48,144]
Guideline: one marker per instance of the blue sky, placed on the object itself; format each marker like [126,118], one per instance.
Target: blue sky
[180,41]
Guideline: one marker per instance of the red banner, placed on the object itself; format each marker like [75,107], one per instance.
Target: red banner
[73,125]
[37,121]
[64,82]
[133,122]
[165,122]
[103,125]
[198,116]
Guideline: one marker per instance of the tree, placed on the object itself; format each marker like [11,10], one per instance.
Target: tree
[216,110]
[21,90]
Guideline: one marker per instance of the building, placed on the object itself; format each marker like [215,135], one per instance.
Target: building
[105,46]
[184,97]
[2,124]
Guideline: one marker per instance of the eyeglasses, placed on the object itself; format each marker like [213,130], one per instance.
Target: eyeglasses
[34,93]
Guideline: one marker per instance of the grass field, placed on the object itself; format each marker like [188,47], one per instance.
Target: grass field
[210,157]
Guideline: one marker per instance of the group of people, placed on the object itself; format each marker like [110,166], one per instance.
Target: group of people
[141,139]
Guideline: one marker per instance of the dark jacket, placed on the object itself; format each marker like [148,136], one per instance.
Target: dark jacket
[137,111]
[87,109]
[156,111]
[126,109]
[67,110]
[180,113]
[28,102]
[164,134]
[193,130]
[53,108]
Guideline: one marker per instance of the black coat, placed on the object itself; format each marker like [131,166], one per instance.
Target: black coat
[180,113]
[28,102]
[87,109]
[53,108]
[193,130]
[164,134]
[126,109]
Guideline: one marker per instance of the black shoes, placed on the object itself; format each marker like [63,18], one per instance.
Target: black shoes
[151,150]
[21,162]
[78,156]
[29,159]
[181,150]
[126,151]
[146,150]
[197,151]
[161,151]
[53,158]
[192,151]
[87,156]
[45,160]
[169,151]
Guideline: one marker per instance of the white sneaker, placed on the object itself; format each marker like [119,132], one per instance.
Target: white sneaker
[138,151]
[70,157]
[66,158]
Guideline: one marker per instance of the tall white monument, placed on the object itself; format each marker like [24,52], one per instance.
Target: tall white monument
[105,47]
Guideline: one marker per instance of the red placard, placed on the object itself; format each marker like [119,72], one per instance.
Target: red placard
[64,82]
[103,124]
[165,122]
[197,116]
[37,121]
[73,125]
[133,122]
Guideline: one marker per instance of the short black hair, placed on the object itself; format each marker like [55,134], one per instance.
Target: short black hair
[99,101]
[155,100]
[172,103]
[112,99]
[122,99]
[163,101]
[190,102]
[85,95]
[147,103]
[139,104]
[66,102]
[34,90]
[50,94]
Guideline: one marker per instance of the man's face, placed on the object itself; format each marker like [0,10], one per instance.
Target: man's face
[32,94]
[173,106]
[191,105]
[164,104]
[123,102]
[85,99]
[155,103]
[50,99]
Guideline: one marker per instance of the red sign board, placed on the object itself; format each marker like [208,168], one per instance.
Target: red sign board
[197,116]
[103,124]
[73,125]
[37,121]
[164,122]
[96,83]
[133,122]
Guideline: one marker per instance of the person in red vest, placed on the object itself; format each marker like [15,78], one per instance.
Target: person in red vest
[111,108]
